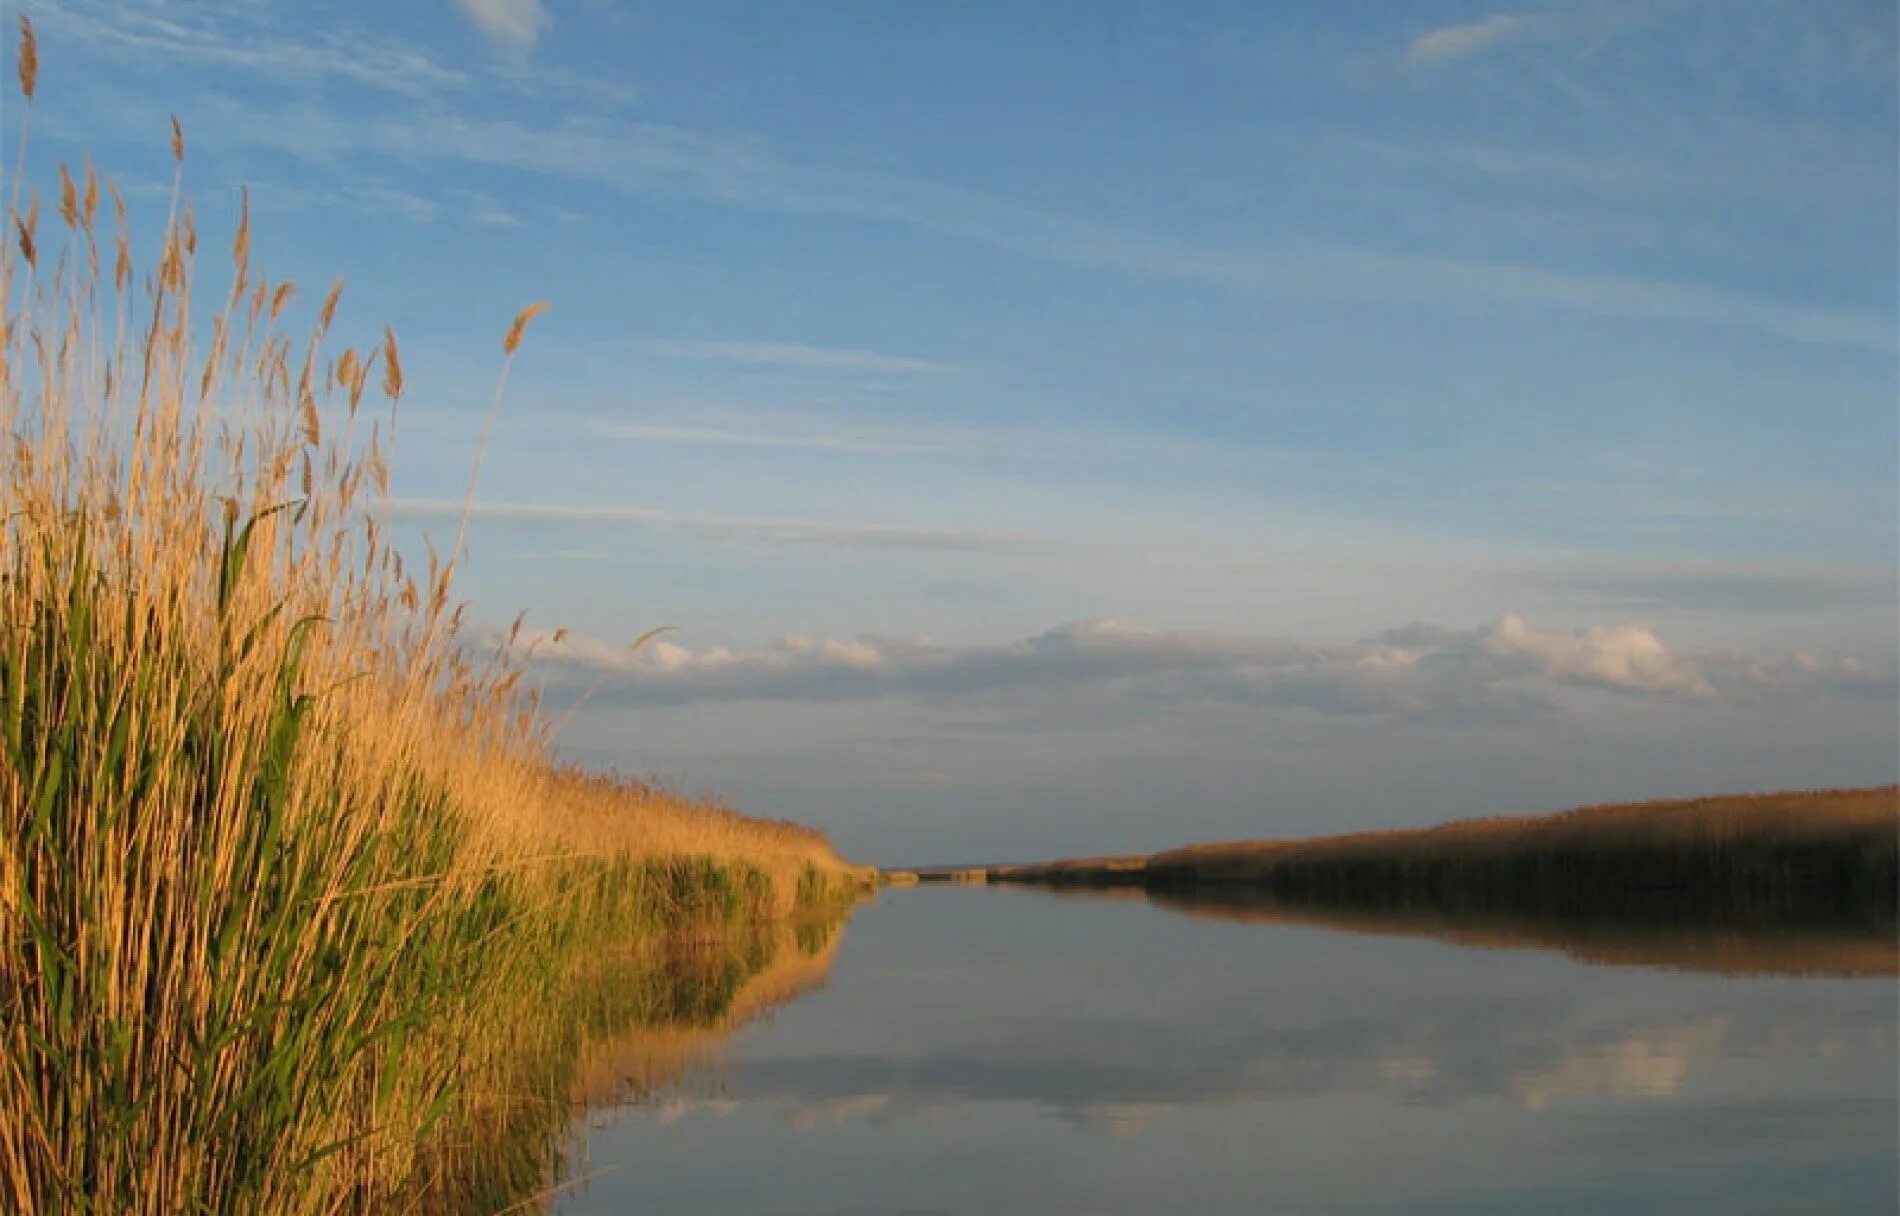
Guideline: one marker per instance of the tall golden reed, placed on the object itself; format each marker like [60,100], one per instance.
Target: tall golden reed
[284,853]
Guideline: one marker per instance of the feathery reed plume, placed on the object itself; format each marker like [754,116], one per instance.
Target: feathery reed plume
[392,366]
[25,225]
[68,198]
[29,60]
[520,326]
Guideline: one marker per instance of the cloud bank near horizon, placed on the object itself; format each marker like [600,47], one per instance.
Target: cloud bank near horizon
[1507,667]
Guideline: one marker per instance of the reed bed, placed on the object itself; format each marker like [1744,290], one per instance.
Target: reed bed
[1820,858]
[1823,855]
[285,856]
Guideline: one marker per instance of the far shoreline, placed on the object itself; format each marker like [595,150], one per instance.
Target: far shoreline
[1787,857]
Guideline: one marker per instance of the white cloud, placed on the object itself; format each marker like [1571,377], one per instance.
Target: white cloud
[515,24]
[1619,656]
[1506,668]
[1456,41]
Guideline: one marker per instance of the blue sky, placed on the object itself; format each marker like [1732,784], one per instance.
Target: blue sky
[1035,415]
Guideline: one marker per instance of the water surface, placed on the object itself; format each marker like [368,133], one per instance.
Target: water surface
[1010,1051]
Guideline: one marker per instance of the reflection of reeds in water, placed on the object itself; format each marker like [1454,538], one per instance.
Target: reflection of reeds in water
[634,1023]
[1761,948]
[654,1057]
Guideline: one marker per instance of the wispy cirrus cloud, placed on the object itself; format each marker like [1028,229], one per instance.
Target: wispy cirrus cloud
[270,46]
[1732,588]
[780,530]
[1468,39]
[369,197]
[1509,667]
[1420,278]
[719,437]
[1450,42]
[515,24]
[641,159]
[242,38]
[791,354]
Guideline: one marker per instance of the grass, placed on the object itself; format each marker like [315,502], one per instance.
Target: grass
[1819,858]
[287,867]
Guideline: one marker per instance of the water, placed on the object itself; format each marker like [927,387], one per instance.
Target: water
[1010,1051]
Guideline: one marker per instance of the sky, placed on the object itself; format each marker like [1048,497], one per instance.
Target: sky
[1074,428]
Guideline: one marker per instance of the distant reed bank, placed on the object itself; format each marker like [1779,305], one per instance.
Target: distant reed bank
[1819,856]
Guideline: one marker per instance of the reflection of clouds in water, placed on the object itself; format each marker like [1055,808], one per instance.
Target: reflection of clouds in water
[811,1115]
[670,1110]
[1535,1057]
[1407,1069]
[1118,1120]
[1228,1069]
[1649,1063]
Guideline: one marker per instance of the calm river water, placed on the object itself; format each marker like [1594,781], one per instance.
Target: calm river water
[1011,1051]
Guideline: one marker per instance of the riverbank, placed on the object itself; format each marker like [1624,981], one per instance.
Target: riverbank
[1820,856]
[298,906]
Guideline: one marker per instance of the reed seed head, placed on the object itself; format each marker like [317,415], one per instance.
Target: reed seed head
[327,313]
[29,57]
[513,340]
[68,198]
[392,365]
[241,243]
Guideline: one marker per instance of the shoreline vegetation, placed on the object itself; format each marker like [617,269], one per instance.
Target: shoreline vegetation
[1793,882]
[299,914]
